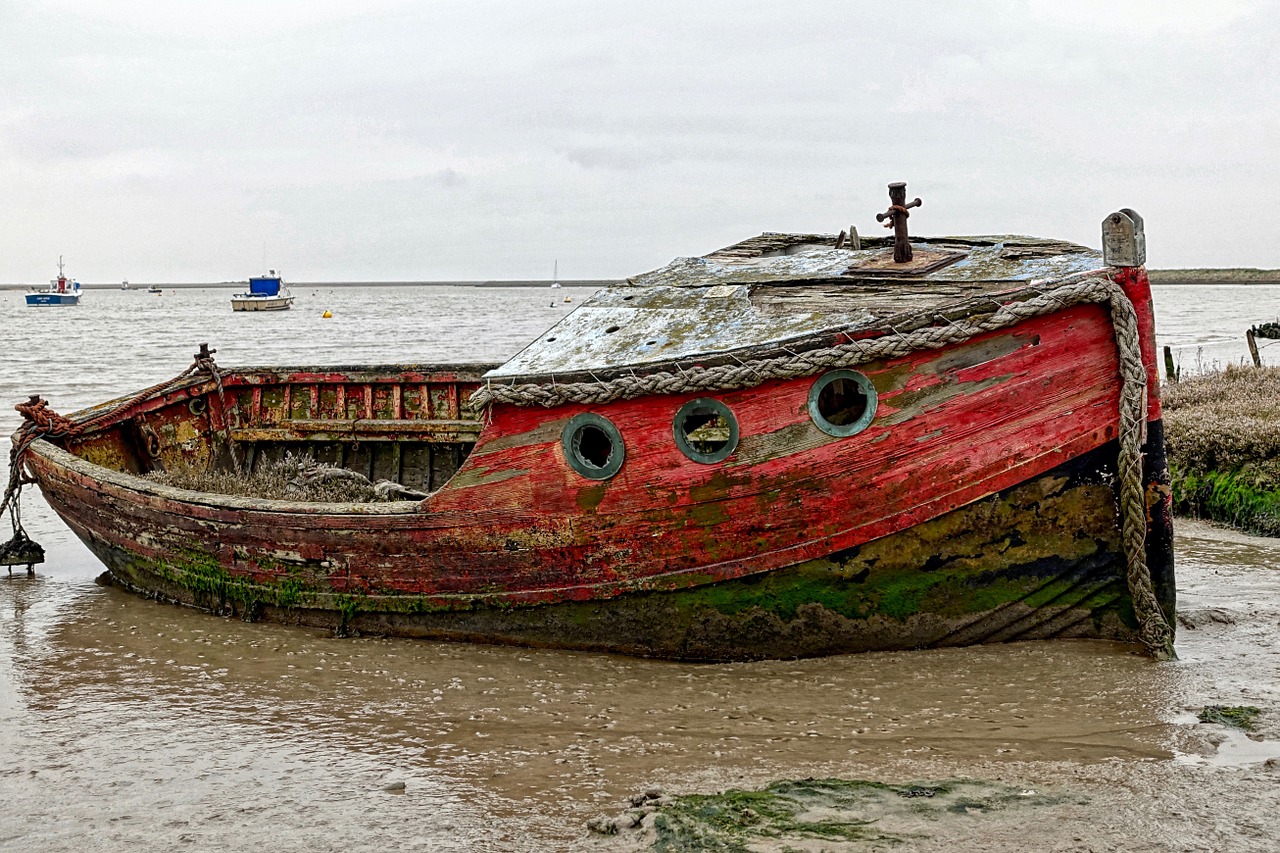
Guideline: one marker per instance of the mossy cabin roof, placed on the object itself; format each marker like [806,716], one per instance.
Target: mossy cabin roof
[773,289]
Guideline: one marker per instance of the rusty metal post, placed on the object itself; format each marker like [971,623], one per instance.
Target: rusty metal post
[897,216]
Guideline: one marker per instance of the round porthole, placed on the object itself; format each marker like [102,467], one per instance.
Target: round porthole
[706,431]
[593,446]
[842,402]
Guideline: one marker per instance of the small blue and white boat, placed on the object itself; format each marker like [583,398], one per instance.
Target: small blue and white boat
[61,291]
[266,293]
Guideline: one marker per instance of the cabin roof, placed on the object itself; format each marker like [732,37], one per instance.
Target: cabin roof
[775,289]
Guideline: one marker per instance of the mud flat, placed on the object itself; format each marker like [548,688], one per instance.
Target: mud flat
[126,724]
[1223,439]
[1042,761]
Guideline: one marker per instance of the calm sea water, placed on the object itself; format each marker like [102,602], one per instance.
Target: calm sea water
[128,725]
[1205,324]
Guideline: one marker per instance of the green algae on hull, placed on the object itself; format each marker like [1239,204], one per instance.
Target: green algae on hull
[977,574]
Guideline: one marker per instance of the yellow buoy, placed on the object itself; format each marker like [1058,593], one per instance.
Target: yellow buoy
[327,314]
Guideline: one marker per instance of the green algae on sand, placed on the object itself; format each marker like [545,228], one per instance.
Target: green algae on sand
[1236,716]
[842,813]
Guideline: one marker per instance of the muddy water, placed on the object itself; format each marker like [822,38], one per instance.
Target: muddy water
[126,724]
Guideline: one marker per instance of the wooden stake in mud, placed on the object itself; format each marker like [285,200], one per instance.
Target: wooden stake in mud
[897,216]
[1170,371]
[1253,348]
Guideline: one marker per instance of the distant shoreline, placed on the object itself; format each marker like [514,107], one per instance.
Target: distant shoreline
[301,285]
[1214,276]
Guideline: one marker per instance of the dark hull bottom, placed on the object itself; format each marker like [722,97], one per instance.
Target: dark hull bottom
[1040,560]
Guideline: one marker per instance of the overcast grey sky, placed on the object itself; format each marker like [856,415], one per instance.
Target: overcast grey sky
[165,140]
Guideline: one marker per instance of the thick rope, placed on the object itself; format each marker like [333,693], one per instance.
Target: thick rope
[726,377]
[1154,629]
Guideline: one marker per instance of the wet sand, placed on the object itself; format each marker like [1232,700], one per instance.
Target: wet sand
[126,724]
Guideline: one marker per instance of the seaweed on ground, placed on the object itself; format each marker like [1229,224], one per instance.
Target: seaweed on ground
[1236,716]
[827,811]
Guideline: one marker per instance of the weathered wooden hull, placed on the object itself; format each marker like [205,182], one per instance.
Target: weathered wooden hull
[1036,561]
[978,506]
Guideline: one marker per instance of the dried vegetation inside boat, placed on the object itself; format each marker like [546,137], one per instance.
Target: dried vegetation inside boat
[293,478]
[337,436]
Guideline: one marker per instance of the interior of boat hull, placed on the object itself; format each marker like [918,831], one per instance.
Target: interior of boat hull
[409,425]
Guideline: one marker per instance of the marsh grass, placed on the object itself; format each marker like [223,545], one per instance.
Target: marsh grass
[272,479]
[1222,434]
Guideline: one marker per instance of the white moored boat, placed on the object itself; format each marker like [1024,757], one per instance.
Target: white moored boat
[266,293]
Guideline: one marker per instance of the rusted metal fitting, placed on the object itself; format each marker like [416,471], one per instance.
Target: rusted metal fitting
[897,220]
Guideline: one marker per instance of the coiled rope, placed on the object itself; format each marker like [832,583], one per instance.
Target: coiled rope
[1154,629]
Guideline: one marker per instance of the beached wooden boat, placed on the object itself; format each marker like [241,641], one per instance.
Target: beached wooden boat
[792,446]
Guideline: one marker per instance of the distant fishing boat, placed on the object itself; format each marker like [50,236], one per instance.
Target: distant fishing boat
[266,293]
[154,289]
[124,285]
[59,291]
[796,445]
